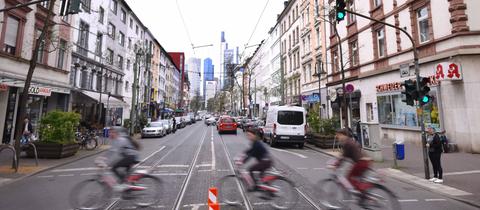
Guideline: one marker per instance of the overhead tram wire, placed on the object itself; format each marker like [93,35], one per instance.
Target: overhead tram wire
[254,29]
[185,26]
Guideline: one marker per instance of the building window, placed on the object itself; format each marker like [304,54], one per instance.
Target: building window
[319,38]
[113,6]
[41,49]
[332,19]
[65,18]
[86,5]
[423,27]
[123,16]
[381,43]
[317,9]
[351,7]
[61,53]
[377,3]
[98,44]
[131,23]
[129,43]
[110,56]
[120,62]
[111,30]
[101,15]
[126,85]
[44,4]
[370,115]
[136,29]
[121,39]
[128,64]
[11,35]
[354,57]
[83,38]
[335,61]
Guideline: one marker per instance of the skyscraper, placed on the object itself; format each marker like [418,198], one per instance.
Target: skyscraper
[208,72]
[194,70]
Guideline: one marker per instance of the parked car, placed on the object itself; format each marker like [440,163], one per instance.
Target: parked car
[244,123]
[210,121]
[286,124]
[180,122]
[226,124]
[198,118]
[257,127]
[154,129]
[168,124]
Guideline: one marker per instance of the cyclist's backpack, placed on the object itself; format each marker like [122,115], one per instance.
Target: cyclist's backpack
[444,141]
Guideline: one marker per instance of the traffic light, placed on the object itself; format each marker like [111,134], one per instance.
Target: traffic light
[340,6]
[423,96]
[410,92]
[69,7]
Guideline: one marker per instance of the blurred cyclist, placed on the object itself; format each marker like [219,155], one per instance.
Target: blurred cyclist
[353,151]
[122,155]
[259,152]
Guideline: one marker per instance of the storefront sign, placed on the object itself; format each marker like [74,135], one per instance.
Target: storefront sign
[41,91]
[3,87]
[314,97]
[394,86]
[448,71]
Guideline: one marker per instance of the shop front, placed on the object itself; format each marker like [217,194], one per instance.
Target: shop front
[311,100]
[352,105]
[42,99]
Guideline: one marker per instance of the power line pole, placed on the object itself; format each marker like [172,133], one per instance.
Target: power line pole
[133,108]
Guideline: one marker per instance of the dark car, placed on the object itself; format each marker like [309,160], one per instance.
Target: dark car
[257,127]
[245,122]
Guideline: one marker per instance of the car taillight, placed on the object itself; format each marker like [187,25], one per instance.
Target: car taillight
[274,128]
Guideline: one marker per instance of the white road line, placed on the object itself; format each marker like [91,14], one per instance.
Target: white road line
[179,199]
[145,159]
[88,174]
[169,174]
[308,199]
[64,175]
[407,200]
[319,168]
[203,165]
[46,176]
[302,168]
[461,173]
[210,170]
[173,166]
[213,152]
[435,199]
[74,169]
[290,152]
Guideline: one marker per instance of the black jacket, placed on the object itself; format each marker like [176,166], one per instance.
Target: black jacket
[30,127]
[258,151]
[435,144]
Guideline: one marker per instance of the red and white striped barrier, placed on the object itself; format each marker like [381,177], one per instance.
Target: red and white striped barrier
[212,199]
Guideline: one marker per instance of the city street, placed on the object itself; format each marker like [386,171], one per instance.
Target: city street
[188,163]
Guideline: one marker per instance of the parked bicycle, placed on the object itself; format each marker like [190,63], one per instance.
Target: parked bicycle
[87,139]
[336,192]
[272,187]
[143,190]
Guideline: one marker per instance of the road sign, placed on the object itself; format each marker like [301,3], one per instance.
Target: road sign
[404,70]
[349,88]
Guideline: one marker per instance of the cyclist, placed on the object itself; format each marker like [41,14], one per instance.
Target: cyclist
[353,151]
[122,155]
[259,152]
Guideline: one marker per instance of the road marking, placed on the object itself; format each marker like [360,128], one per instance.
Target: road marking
[169,174]
[74,169]
[172,166]
[210,170]
[151,155]
[63,175]
[290,152]
[302,168]
[435,199]
[88,174]
[461,173]
[213,152]
[203,165]
[407,200]
[46,176]
[319,168]
[308,199]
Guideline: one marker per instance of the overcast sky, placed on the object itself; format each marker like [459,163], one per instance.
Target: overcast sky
[204,20]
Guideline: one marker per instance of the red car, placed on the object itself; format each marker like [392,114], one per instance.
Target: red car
[225,124]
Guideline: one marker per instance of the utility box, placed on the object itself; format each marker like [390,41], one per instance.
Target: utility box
[400,151]
[371,141]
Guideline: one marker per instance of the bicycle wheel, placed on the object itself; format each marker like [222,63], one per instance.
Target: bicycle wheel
[379,197]
[286,197]
[152,193]
[332,194]
[90,194]
[228,190]
[91,143]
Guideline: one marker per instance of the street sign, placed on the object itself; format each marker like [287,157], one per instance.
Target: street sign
[349,88]
[404,70]
[333,95]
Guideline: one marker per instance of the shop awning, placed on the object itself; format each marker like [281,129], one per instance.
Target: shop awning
[167,110]
[112,101]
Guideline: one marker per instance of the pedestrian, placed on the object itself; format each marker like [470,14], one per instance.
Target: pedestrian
[174,124]
[27,131]
[435,150]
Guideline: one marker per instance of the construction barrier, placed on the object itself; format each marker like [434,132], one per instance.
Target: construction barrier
[212,199]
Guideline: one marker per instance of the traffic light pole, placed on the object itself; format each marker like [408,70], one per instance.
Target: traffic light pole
[417,75]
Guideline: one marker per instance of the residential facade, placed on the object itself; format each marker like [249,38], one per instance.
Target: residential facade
[373,54]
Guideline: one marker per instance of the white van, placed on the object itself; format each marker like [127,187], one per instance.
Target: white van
[286,124]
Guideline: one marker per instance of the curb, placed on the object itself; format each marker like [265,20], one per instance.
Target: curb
[465,201]
[51,167]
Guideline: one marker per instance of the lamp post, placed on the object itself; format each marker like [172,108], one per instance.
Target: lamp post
[320,71]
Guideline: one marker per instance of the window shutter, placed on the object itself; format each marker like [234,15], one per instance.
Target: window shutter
[11,33]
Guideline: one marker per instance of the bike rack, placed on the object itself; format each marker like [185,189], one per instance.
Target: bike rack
[34,151]
[14,155]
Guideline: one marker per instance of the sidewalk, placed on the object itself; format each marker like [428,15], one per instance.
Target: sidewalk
[461,172]
[27,166]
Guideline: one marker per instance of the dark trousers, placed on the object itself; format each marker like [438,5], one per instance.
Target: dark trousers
[435,158]
[261,167]
[126,163]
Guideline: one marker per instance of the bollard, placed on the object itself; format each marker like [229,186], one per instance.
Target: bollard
[212,199]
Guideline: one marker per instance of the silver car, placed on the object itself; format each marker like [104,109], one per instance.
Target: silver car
[168,125]
[154,129]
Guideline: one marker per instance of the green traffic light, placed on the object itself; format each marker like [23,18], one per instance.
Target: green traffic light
[341,15]
[425,99]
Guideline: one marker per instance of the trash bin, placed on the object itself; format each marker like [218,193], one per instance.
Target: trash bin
[400,151]
[106,132]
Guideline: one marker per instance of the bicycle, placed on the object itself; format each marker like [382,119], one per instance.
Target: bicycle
[88,140]
[143,189]
[272,187]
[336,191]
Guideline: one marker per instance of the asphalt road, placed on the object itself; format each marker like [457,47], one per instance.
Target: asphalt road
[188,163]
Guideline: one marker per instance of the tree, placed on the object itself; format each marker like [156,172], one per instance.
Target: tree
[196,104]
[211,105]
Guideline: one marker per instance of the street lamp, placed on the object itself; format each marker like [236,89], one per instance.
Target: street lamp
[319,72]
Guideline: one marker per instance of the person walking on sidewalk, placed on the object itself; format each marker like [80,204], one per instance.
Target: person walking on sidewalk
[435,150]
